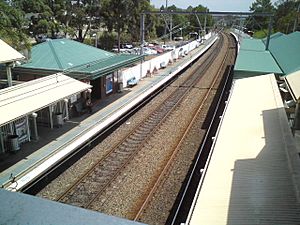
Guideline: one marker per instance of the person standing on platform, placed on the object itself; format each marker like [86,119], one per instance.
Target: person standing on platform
[88,105]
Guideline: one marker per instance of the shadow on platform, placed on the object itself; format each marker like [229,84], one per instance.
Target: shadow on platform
[262,190]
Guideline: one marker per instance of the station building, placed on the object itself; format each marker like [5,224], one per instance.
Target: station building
[43,101]
[54,84]
[82,62]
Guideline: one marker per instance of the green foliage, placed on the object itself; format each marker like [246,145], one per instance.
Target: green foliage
[107,41]
[123,15]
[184,24]
[135,20]
[198,24]
[81,15]
[38,14]
[259,22]
[286,16]
[260,34]
[121,18]
[12,26]
[89,41]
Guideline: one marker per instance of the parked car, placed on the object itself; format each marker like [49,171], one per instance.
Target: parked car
[168,47]
[127,46]
[158,49]
[178,38]
[149,51]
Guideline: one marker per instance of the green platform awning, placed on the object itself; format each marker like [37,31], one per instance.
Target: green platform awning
[75,59]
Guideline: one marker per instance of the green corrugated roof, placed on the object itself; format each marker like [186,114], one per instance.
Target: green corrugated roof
[253,45]
[286,50]
[283,55]
[63,54]
[258,62]
[76,59]
[273,36]
[104,66]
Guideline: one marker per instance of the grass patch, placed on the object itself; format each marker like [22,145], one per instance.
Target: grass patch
[261,33]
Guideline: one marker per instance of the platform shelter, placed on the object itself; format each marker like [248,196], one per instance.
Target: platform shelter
[8,57]
[42,101]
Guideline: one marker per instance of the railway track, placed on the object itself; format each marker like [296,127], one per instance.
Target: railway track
[210,90]
[128,174]
[84,191]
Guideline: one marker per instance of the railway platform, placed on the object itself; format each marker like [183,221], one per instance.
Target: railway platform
[20,168]
[252,173]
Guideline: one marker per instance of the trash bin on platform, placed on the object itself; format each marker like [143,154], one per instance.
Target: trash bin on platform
[59,121]
[120,87]
[13,142]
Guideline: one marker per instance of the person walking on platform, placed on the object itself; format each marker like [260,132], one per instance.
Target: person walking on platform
[88,105]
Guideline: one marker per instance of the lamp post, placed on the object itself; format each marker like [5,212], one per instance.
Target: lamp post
[166,23]
[96,39]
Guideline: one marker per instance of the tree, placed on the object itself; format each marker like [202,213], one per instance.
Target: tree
[286,16]
[179,21]
[13,26]
[39,15]
[184,23]
[260,6]
[116,14]
[81,15]
[203,19]
[135,19]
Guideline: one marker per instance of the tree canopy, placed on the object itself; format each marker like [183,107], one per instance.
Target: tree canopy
[260,6]
[286,15]
[79,19]
[12,26]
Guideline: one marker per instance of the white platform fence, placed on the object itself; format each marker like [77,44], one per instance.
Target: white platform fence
[151,66]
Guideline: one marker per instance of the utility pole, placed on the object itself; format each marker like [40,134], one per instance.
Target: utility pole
[171,27]
[142,33]
[166,22]
[269,33]
[205,20]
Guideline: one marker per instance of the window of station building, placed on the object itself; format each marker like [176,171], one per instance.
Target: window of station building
[109,84]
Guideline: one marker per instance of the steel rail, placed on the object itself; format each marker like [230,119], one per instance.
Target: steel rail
[170,162]
[73,186]
[174,218]
[187,89]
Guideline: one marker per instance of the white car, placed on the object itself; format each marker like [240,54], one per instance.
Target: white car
[168,47]
[149,51]
[128,46]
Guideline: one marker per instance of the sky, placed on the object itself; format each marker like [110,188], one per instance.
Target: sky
[213,5]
